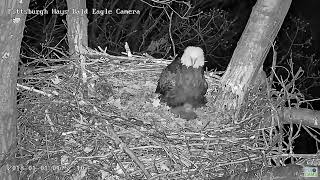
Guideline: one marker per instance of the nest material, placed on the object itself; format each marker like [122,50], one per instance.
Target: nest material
[114,126]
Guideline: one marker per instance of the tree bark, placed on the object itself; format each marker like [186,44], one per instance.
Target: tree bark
[304,116]
[77,27]
[12,23]
[264,23]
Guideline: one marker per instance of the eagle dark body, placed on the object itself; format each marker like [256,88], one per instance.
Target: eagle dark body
[179,84]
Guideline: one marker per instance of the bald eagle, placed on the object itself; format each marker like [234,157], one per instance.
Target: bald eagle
[182,84]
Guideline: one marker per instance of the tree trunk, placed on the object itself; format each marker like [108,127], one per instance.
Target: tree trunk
[264,23]
[77,27]
[78,39]
[11,33]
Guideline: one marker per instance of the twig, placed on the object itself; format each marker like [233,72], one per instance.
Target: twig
[170,33]
[124,147]
[34,90]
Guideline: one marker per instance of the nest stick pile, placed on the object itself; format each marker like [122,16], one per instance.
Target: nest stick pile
[114,126]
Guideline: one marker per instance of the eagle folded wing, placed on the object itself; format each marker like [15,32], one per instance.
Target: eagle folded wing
[166,84]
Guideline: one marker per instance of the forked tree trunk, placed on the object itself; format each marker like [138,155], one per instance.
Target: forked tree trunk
[11,33]
[263,25]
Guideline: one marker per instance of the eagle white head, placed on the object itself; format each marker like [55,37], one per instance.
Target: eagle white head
[193,56]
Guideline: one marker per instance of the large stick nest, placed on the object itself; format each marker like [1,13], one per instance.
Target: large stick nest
[104,121]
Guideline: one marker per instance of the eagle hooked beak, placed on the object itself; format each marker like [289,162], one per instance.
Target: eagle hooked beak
[193,61]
